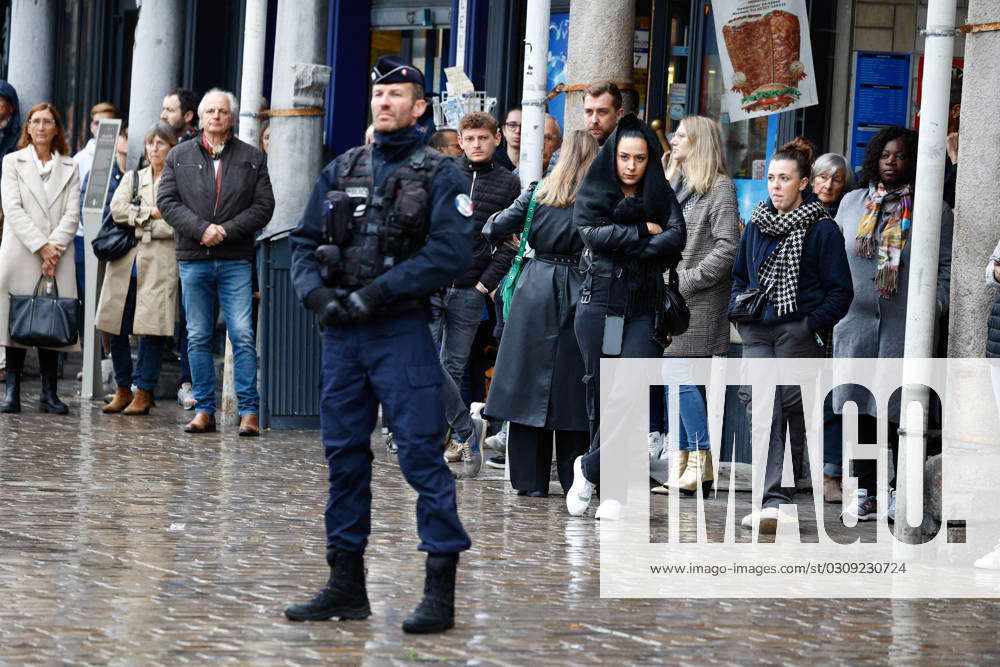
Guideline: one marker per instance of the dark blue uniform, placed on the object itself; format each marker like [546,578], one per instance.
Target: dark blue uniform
[389,359]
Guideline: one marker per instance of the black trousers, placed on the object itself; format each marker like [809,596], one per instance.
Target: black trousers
[529,456]
[48,361]
[589,327]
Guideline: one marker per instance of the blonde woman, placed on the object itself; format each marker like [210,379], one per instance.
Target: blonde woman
[139,293]
[536,383]
[697,172]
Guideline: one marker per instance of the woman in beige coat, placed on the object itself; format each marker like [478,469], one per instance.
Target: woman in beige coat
[139,293]
[40,195]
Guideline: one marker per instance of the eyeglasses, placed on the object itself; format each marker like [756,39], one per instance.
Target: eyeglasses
[512,126]
[551,137]
[42,121]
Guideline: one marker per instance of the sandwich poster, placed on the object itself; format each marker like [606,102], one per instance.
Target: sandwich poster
[767,64]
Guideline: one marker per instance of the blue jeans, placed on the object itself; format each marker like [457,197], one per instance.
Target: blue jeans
[226,282]
[455,318]
[833,440]
[150,351]
[694,418]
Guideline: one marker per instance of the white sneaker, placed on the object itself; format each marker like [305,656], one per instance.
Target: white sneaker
[768,520]
[580,493]
[185,396]
[655,445]
[497,442]
[453,452]
[609,510]
[990,561]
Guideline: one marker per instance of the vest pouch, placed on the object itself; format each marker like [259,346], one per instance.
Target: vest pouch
[409,209]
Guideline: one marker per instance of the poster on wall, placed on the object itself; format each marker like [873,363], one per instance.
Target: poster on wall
[766,55]
[558,48]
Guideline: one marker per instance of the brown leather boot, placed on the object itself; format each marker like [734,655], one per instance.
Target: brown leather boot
[249,426]
[121,400]
[140,404]
[202,423]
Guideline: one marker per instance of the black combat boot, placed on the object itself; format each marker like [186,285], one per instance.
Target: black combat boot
[436,612]
[12,397]
[47,400]
[344,595]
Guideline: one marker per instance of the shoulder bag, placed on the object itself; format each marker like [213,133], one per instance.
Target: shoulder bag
[114,240]
[510,280]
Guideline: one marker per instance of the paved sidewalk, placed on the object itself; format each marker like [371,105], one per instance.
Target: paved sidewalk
[123,540]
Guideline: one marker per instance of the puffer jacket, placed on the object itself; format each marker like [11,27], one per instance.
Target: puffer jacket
[492,188]
[993,321]
[188,201]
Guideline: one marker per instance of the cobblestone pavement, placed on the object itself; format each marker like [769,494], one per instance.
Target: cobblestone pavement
[126,541]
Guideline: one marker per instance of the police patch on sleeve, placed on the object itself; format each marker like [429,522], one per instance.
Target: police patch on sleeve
[464,205]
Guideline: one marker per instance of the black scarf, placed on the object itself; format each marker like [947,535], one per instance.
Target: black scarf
[779,273]
[392,145]
[600,201]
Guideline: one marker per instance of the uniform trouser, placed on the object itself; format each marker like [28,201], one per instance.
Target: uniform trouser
[780,341]
[589,328]
[529,456]
[392,362]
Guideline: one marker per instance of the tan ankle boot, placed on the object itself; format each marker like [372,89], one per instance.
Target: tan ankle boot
[699,473]
[678,465]
[140,404]
[123,396]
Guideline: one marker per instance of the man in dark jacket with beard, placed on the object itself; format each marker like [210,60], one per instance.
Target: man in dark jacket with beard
[458,310]
[216,194]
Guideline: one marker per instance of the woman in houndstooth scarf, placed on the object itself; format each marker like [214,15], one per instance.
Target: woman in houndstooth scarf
[795,254]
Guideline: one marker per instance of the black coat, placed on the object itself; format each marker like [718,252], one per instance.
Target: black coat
[614,226]
[188,202]
[492,188]
[538,379]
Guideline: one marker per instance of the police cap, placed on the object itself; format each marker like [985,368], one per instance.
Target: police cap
[393,69]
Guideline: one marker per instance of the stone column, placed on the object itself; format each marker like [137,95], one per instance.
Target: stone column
[601,36]
[299,83]
[31,69]
[972,457]
[156,65]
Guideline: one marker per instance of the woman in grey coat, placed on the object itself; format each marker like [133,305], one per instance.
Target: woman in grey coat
[697,173]
[537,383]
[876,220]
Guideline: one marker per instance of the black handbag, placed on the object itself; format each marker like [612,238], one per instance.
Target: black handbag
[114,240]
[676,315]
[44,320]
[748,306]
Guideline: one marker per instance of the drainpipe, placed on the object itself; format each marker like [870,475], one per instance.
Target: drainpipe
[925,238]
[536,56]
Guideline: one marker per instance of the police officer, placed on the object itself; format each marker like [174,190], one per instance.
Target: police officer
[386,225]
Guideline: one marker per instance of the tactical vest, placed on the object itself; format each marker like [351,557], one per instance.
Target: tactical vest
[389,223]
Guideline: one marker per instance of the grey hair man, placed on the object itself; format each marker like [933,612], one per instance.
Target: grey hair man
[216,194]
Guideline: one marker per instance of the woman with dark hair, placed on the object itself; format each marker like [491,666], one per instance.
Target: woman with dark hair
[793,252]
[139,293]
[40,193]
[876,221]
[633,232]
[536,384]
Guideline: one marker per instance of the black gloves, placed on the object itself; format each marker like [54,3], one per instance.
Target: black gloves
[336,306]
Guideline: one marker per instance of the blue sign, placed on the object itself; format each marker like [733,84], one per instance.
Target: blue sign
[558,48]
[881,97]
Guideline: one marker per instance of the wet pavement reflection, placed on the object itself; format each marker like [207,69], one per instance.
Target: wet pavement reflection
[126,541]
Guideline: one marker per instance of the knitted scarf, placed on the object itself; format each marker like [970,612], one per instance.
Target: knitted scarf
[779,273]
[896,209]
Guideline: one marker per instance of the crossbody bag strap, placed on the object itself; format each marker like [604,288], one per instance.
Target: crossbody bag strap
[528,219]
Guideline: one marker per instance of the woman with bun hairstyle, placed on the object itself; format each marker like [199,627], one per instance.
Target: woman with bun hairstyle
[707,196]
[793,252]
[633,232]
